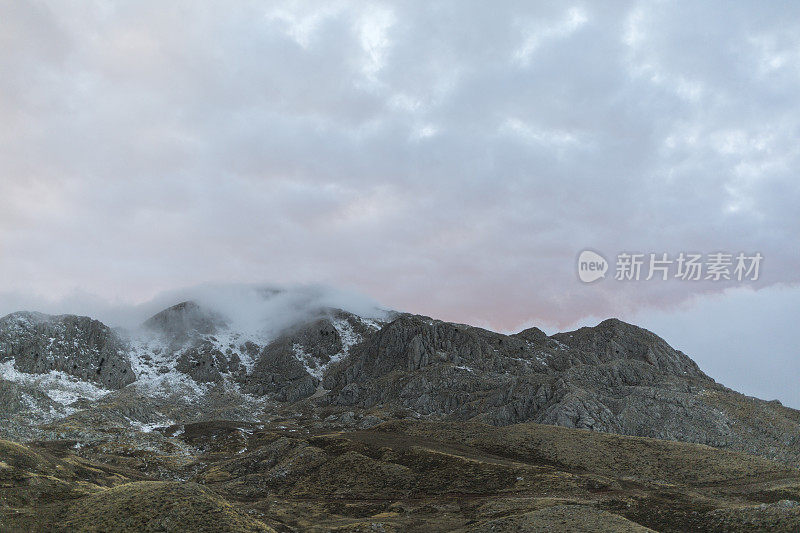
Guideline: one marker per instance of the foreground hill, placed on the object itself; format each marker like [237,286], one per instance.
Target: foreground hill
[397,476]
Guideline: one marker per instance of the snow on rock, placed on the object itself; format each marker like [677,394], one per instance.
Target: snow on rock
[348,336]
[372,323]
[346,333]
[310,363]
[149,428]
[59,386]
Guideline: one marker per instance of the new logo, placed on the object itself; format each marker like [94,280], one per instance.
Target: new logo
[591,266]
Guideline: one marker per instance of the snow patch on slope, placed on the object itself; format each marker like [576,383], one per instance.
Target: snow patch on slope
[154,363]
[149,427]
[349,338]
[346,332]
[59,386]
[311,365]
[230,342]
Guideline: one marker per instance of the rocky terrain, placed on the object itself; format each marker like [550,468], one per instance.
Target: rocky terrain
[377,421]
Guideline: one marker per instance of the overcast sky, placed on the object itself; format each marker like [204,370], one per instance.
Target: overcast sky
[446,158]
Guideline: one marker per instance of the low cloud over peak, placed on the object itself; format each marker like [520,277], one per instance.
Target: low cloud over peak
[450,159]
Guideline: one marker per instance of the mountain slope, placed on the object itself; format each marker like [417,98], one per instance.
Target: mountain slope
[70,376]
[614,377]
[398,476]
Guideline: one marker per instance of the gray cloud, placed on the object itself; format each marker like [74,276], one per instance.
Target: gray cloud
[450,159]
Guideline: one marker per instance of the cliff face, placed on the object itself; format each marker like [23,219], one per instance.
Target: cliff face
[614,377]
[78,346]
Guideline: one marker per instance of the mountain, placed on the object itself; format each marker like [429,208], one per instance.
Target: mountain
[378,413]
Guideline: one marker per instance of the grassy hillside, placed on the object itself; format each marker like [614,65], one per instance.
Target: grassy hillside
[399,476]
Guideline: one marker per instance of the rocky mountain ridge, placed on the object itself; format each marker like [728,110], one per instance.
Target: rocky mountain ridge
[187,363]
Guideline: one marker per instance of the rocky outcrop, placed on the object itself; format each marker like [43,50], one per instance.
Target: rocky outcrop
[613,339]
[16,398]
[614,378]
[413,343]
[76,345]
[291,365]
[205,363]
[181,321]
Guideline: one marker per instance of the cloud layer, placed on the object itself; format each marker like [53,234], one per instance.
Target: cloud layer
[450,158]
